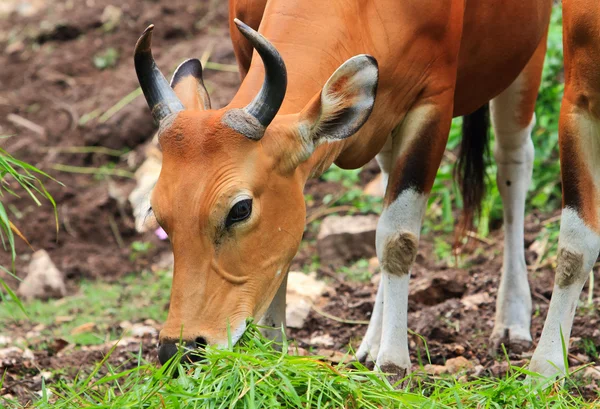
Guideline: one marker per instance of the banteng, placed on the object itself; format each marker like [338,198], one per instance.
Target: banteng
[345,81]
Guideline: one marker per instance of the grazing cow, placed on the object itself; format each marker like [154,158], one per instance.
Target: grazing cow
[366,78]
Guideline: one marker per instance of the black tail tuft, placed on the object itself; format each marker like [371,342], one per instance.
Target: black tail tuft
[469,170]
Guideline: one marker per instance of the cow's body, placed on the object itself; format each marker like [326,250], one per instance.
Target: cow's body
[230,191]
[416,44]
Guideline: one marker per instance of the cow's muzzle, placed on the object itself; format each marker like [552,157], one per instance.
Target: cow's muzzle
[193,351]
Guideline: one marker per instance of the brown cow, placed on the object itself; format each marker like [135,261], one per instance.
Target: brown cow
[366,78]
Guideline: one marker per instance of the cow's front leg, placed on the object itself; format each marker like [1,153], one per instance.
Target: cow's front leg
[417,148]
[579,240]
[274,318]
[579,141]
[513,119]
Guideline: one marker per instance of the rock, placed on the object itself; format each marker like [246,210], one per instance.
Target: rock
[478,370]
[28,355]
[499,369]
[472,302]
[439,287]
[139,330]
[334,356]
[10,352]
[5,340]
[457,364]
[592,372]
[43,279]
[435,370]
[302,291]
[325,340]
[375,187]
[452,366]
[343,239]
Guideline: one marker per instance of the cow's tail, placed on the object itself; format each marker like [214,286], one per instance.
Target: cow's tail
[469,170]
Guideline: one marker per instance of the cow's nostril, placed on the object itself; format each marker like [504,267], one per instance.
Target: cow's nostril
[166,352]
[200,343]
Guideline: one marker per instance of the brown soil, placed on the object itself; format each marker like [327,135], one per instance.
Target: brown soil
[48,77]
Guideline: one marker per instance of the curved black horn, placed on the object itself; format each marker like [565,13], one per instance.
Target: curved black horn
[265,105]
[160,96]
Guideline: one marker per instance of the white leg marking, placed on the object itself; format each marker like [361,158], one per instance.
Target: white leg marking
[578,248]
[402,218]
[274,317]
[369,347]
[514,157]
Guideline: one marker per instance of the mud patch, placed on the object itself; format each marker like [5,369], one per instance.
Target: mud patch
[569,269]
[399,253]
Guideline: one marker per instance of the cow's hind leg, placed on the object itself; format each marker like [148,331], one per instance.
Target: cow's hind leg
[513,118]
[579,139]
[416,151]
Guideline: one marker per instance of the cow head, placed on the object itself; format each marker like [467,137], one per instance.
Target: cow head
[229,194]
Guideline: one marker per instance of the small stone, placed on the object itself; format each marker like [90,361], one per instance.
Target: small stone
[10,352]
[457,349]
[457,364]
[43,279]
[499,369]
[592,372]
[325,340]
[15,47]
[298,351]
[302,291]
[125,324]
[478,370]
[4,340]
[334,356]
[473,301]
[343,239]
[435,370]
[28,355]
[140,331]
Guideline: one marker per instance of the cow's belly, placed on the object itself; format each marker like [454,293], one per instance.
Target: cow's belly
[499,38]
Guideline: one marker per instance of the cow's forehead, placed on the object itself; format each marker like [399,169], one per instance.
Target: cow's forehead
[201,135]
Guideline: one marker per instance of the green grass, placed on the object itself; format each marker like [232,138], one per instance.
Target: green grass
[254,374]
[15,174]
[134,298]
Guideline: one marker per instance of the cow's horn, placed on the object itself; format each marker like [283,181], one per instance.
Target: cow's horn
[160,96]
[265,105]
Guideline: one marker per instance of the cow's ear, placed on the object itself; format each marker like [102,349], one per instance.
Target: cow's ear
[188,85]
[344,104]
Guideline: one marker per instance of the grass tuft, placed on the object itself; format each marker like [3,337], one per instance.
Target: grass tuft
[258,373]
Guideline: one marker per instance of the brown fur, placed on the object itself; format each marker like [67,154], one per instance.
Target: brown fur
[399,252]
[570,268]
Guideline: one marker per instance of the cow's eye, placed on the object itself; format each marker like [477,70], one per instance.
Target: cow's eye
[239,212]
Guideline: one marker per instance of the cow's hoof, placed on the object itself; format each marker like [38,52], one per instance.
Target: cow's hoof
[395,374]
[514,343]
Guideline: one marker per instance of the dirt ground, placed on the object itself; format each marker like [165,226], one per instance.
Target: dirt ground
[49,79]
